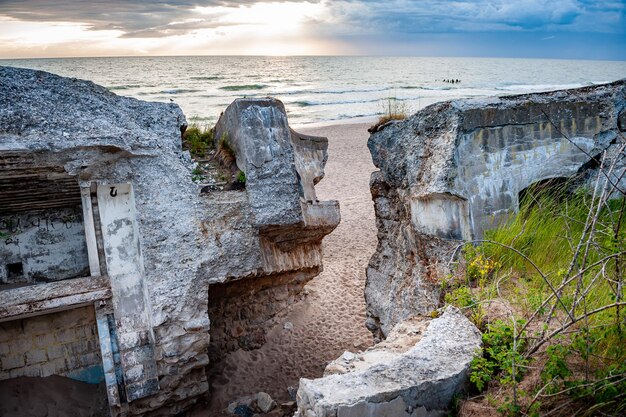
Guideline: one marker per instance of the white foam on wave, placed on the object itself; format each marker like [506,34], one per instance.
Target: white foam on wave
[539,87]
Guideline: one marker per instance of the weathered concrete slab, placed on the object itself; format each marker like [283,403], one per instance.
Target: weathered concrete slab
[46,298]
[418,382]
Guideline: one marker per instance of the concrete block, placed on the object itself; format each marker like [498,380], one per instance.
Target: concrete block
[72,362]
[38,325]
[20,345]
[55,352]
[36,356]
[79,347]
[134,374]
[142,389]
[90,359]
[427,375]
[44,340]
[66,336]
[138,355]
[69,318]
[86,331]
[8,332]
[32,371]
[55,367]
[129,340]
[12,362]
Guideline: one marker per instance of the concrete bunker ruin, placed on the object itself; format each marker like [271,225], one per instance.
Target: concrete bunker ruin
[456,169]
[102,179]
[447,174]
[157,264]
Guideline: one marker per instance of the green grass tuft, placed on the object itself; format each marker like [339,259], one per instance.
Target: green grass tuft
[197,140]
[393,109]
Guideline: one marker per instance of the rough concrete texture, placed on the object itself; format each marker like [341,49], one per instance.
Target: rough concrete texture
[48,245]
[281,168]
[420,381]
[284,215]
[455,169]
[164,242]
[63,343]
[402,337]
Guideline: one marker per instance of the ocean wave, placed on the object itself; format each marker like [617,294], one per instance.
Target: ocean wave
[243,87]
[438,88]
[125,86]
[342,91]
[538,87]
[354,116]
[207,78]
[178,91]
[309,103]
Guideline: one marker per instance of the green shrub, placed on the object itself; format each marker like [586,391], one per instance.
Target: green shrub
[241,177]
[502,355]
[197,140]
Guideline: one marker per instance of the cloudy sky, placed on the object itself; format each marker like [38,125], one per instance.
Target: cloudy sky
[511,28]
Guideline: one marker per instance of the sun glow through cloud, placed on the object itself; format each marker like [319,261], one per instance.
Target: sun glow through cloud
[268,28]
[533,28]
[257,29]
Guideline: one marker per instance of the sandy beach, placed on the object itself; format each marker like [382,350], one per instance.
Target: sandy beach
[330,319]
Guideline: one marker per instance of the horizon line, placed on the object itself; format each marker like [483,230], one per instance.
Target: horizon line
[308,56]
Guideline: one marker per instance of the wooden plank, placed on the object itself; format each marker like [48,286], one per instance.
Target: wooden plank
[90,231]
[54,296]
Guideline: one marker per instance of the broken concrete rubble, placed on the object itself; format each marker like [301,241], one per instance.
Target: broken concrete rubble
[152,242]
[281,169]
[399,380]
[404,336]
[456,169]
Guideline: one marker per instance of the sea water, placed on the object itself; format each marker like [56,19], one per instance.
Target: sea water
[323,89]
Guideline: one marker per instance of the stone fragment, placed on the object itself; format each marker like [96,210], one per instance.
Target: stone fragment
[292,391]
[419,381]
[264,402]
[402,337]
[247,401]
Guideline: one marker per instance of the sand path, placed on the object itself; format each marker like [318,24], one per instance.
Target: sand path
[331,318]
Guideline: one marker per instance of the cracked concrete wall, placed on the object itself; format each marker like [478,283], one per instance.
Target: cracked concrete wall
[496,159]
[455,169]
[49,244]
[288,222]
